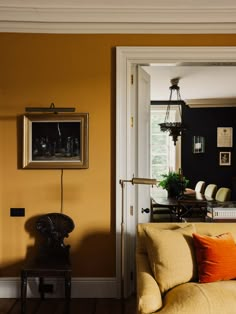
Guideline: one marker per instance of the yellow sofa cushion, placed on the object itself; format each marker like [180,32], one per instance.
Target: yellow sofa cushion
[150,299]
[171,255]
[196,298]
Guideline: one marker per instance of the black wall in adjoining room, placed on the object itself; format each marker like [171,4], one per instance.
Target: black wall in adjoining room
[205,166]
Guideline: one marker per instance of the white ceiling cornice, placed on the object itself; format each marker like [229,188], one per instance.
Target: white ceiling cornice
[117,20]
[211,102]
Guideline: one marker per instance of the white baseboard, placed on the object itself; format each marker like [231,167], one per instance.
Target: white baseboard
[80,288]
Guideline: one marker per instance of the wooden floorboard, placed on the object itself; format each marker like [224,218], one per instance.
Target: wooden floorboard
[77,306]
[83,306]
[108,306]
[32,306]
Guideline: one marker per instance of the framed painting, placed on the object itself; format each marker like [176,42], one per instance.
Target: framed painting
[225,137]
[55,141]
[225,158]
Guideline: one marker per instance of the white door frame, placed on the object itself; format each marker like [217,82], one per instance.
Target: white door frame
[125,58]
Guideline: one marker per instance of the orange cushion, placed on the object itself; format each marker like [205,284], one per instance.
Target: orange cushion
[216,257]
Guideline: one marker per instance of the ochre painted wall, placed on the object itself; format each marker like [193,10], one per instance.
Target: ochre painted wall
[78,71]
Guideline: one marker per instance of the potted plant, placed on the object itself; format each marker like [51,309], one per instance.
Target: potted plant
[174,182]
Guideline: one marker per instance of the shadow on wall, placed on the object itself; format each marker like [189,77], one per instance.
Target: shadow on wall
[88,258]
[13,270]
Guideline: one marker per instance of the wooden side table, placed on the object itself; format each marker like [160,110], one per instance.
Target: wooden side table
[43,271]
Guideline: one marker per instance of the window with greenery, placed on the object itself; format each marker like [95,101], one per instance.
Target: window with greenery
[163,150]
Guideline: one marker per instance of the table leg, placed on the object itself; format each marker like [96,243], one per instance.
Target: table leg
[67,292]
[41,287]
[23,291]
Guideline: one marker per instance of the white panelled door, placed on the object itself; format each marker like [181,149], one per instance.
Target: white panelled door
[139,145]
[143,144]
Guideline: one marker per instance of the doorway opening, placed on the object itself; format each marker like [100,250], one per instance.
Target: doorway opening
[127,159]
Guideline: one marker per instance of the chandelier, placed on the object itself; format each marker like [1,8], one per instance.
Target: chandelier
[174,128]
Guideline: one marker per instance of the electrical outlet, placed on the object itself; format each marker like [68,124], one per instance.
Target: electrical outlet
[17,212]
[46,288]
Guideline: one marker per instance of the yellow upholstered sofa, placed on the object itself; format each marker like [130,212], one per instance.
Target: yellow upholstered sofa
[171,284]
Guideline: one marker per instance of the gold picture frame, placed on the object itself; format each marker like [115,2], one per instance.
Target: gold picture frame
[55,141]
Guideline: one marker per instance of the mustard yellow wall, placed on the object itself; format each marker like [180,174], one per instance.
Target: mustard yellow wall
[77,71]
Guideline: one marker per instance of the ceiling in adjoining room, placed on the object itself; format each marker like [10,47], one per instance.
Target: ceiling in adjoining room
[199,84]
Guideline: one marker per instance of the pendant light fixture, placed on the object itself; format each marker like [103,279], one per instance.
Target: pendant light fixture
[174,128]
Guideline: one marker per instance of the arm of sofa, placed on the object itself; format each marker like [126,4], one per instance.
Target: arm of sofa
[149,298]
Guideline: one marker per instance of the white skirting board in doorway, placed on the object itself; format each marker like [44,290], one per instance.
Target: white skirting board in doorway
[80,288]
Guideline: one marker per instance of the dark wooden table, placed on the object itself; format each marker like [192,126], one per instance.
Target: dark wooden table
[185,204]
[42,271]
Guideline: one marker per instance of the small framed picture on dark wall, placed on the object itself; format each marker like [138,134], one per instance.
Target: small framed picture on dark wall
[198,144]
[225,159]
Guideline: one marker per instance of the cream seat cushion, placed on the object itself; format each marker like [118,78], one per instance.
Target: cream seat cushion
[171,255]
[208,298]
